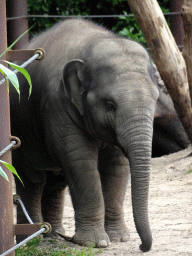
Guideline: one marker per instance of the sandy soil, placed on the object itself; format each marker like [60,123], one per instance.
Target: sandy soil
[170,210]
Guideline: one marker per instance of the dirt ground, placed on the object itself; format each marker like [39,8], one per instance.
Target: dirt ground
[170,210]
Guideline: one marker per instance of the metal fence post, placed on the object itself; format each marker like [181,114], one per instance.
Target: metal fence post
[6,197]
[177,23]
[16,27]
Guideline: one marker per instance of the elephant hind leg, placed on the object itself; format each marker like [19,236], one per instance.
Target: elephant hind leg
[114,172]
[30,195]
[53,202]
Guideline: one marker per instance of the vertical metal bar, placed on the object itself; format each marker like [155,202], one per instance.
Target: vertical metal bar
[6,197]
[16,8]
[177,23]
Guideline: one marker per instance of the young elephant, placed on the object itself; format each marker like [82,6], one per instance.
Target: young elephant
[91,111]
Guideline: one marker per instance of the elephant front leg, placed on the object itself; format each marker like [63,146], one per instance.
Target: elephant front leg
[114,171]
[78,155]
[87,198]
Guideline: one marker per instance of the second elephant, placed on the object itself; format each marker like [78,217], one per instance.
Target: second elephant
[169,135]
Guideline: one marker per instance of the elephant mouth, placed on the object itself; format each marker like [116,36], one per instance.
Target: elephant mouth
[104,133]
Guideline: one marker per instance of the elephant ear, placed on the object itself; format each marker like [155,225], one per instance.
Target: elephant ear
[73,84]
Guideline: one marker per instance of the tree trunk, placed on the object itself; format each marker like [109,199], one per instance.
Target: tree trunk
[186,12]
[166,55]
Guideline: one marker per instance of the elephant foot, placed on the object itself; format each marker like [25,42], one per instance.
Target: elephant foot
[117,233]
[93,237]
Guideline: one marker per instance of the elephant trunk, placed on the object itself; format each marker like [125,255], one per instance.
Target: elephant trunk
[135,137]
[139,192]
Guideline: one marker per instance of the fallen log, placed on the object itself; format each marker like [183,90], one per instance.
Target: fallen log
[167,57]
[186,12]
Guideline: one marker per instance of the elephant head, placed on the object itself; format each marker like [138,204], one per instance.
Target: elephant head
[112,87]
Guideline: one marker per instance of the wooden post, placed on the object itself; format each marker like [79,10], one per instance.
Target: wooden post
[167,57]
[186,12]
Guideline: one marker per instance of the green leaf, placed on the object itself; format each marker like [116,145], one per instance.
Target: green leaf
[14,42]
[45,8]
[12,169]
[3,174]
[24,72]
[12,77]
[6,81]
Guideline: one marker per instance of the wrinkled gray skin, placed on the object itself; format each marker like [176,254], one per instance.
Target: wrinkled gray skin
[169,135]
[91,111]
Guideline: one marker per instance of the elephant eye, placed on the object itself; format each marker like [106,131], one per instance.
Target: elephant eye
[110,106]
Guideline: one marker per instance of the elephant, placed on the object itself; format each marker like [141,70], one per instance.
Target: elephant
[169,135]
[87,125]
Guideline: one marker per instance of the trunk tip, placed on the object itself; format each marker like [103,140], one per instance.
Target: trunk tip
[145,247]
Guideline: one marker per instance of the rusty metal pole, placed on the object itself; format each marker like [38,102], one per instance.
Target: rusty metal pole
[6,197]
[177,23]
[16,27]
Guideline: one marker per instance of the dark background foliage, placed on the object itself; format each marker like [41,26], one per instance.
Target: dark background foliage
[125,26]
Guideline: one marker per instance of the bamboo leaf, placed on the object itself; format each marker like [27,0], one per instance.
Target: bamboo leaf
[3,174]
[12,169]
[6,81]
[14,42]
[24,72]
[12,77]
